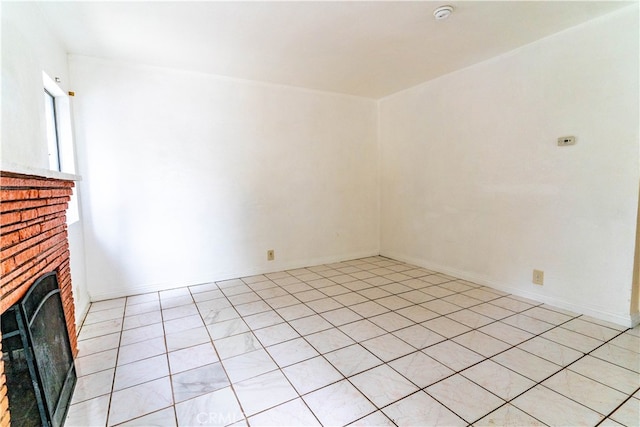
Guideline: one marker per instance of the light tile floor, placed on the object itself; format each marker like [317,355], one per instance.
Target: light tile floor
[366,342]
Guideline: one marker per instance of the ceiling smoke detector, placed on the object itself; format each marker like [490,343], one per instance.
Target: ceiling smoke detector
[442,12]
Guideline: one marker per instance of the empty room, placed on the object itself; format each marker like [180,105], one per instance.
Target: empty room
[320,213]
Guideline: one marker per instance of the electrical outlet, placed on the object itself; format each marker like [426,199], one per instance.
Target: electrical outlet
[271,255]
[538,277]
[566,140]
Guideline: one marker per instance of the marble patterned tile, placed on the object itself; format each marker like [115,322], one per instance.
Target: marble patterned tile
[199,381]
[187,338]
[593,330]
[549,316]
[453,355]
[162,418]
[471,405]
[142,298]
[394,302]
[338,404]
[629,413]
[290,352]
[329,340]
[98,344]
[146,307]
[207,295]
[446,327]
[551,351]
[311,374]
[508,416]
[584,390]
[470,318]
[249,365]
[254,307]
[143,333]
[377,419]
[325,304]
[351,298]
[107,304]
[192,357]
[554,409]
[211,316]
[507,333]
[511,304]
[180,311]
[92,412]
[382,385]
[245,298]
[481,343]
[294,413]
[607,373]
[183,324]
[140,372]
[620,356]
[264,391]
[420,409]
[572,339]
[418,336]
[417,297]
[93,385]
[217,408]
[96,362]
[529,324]
[526,364]
[311,324]
[276,334]
[103,315]
[100,328]
[341,316]
[141,350]
[369,308]
[139,400]
[175,302]
[293,312]
[499,380]
[492,311]
[237,344]
[262,320]
[417,313]
[144,319]
[391,321]
[227,328]
[421,369]
[387,347]
[352,360]
[628,341]
[362,330]
[441,306]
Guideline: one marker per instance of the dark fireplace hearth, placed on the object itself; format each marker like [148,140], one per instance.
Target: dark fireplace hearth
[37,356]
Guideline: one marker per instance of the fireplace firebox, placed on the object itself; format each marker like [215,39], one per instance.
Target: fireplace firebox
[37,355]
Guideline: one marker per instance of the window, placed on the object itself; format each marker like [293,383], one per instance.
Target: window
[57,109]
[52,130]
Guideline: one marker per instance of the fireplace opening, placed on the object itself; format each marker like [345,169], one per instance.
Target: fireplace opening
[37,356]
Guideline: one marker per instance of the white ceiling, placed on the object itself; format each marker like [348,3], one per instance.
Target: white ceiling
[365,48]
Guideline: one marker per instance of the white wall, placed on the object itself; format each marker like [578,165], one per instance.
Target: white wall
[474,184]
[28,49]
[191,178]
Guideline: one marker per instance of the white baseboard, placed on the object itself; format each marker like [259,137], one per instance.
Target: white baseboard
[156,287]
[628,321]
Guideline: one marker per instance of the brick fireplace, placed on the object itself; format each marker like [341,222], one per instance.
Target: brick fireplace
[33,241]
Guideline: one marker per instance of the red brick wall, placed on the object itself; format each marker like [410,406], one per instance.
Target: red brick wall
[33,241]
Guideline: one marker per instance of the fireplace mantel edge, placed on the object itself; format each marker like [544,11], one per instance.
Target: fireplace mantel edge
[14,169]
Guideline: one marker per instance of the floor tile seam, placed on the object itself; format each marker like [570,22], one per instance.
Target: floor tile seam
[595,324]
[113,380]
[456,413]
[604,416]
[608,416]
[224,369]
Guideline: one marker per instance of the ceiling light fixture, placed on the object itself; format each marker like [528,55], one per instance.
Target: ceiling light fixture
[442,12]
